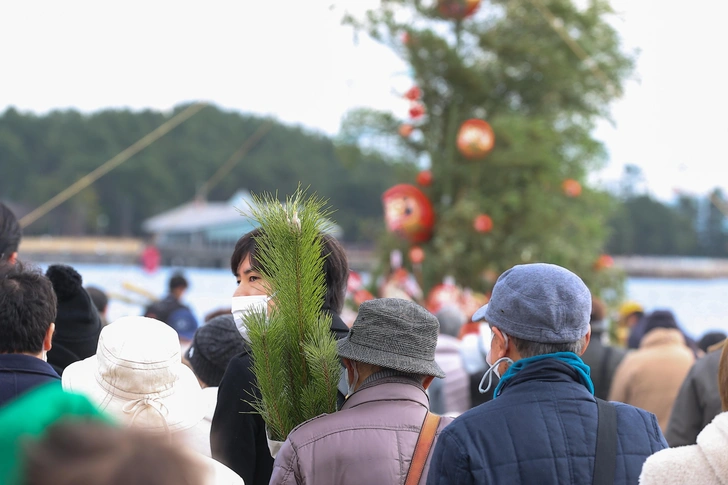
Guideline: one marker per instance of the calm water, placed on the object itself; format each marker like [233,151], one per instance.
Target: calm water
[700,305]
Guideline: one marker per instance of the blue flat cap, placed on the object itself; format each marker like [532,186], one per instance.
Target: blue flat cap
[539,302]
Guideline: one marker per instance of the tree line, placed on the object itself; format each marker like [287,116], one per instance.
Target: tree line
[42,155]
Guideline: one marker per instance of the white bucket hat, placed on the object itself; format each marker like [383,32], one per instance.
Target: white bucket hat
[138,377]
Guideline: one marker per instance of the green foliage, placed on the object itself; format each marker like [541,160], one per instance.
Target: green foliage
[294,354]
[42,155]
[508,66]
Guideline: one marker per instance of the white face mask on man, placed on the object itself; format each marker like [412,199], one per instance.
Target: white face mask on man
[242,306]
[493,368]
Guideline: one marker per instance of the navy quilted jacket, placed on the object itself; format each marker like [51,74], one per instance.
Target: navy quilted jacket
[540,430]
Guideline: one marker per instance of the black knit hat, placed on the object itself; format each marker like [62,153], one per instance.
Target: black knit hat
[213,346]
[77,325]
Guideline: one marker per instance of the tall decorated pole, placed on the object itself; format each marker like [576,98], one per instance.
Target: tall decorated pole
[510,110]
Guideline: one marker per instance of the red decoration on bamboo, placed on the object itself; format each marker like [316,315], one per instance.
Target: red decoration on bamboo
[483,223]
[408,213]
[416,255]
[475,139]
[424,178]
[571,188]
[457,9]
[417,110]
[406,130]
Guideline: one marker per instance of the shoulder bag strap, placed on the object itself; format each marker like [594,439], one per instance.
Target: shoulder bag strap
[606,454]
[422,448]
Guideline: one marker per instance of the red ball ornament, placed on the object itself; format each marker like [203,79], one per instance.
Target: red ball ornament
[406,38]
[424,178]
[604,261]
[416,255]
[417,110]
[408,213]
[475,139]
[406,130]
[457,9]
[413,94]
[483,223]
[571,188]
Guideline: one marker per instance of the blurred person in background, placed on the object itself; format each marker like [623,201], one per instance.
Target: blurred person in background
[698,401]
[474,349]
[710,339]
[10,235]
[27,316]
[173,312]
[602,358]
[450,395]
[650,377]
[100,301]
[212,348]
[705,462]
[630,313]
[77,322]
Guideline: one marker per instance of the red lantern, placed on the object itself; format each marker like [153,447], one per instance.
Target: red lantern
[406,130]
[417,255]
[483,223]
[571,188]
[413,94]
[604,261]
[417,110]
[457,9]
[475,139]
[424,178]
[441,295]
[408,213]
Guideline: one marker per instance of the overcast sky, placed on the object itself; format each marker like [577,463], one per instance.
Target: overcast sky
[292,59]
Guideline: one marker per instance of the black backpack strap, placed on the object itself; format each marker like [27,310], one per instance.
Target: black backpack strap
[606,454]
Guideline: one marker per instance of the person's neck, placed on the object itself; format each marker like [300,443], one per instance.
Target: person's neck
[40,355]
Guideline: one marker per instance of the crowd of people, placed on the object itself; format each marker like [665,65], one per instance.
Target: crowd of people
[528,389]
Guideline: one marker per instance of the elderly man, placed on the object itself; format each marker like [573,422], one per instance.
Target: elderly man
[27,313]
[390,358]
[544,425]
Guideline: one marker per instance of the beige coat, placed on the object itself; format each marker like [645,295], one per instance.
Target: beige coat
[705,463]
[650,377]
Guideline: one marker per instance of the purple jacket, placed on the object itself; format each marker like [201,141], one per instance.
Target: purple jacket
[371,440]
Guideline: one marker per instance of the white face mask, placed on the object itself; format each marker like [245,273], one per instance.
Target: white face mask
[493,368]
[242,306]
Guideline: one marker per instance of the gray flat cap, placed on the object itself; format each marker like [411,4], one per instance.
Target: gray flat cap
[395,334]
[539,302]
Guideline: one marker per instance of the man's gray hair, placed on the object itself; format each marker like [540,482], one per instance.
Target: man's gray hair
[531,349]
[451,320]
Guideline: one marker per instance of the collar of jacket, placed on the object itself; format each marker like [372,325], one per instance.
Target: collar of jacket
[662,336]
[395,388]
[26,363]
[547,370]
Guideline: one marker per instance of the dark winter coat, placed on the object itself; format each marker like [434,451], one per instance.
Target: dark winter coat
[697,402]
[603,361]
[237,436]
[20,373]
[541,430]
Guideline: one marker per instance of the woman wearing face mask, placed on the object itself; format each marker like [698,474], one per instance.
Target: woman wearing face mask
[238,436]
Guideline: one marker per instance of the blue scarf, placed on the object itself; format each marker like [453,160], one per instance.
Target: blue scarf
[568,358]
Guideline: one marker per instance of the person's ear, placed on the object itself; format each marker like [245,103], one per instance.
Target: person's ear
[587,339]
[48,339]
[349,368]
[427,381]
[13,258]
[498,345]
